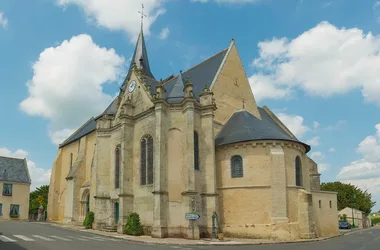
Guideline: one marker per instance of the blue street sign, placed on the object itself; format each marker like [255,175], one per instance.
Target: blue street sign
[192,216]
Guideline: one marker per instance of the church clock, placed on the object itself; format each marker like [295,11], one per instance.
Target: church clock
[132,86]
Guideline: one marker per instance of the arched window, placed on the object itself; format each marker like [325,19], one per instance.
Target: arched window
[117,167]
[298,172]
[236,166]
[146,160]
[196,151]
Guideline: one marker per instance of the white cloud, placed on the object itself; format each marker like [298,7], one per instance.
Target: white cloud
[119,14]
[323,61]
[313,141]
[365,172]
[294,123]
[164,33]
[39,176]
[264,88]
[226,1]
[3,20]
[327,4]
[315,124]
[317,156]
[60,135]
[332,150]
[66,87]
[323,167]
[336,126]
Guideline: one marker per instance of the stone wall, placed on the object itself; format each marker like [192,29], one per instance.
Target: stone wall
[250,206]
[325,213]
[231,88]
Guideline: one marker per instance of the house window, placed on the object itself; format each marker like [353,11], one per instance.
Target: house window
[196,151]
[7,189]
[236,166]
[146,160]
[298,167]
[330,204]
[1,209]
[320,203]
[15,211]
[117,167]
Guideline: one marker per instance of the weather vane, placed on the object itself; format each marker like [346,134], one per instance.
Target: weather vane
[142,16]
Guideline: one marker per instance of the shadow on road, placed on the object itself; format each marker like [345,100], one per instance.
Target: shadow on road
[11,246]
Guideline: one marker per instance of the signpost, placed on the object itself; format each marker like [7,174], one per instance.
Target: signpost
[192,216]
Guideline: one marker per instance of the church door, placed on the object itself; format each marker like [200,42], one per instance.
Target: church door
[116,212]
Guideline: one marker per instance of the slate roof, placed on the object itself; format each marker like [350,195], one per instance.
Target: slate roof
[87,128]
[243,126]
[201,74]
[14,170]
[140,57]
[176,94]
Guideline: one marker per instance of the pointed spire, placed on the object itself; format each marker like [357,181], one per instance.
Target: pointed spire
[177,90]
[140,55]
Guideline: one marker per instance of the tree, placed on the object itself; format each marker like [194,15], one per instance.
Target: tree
[37,198]
[350,196]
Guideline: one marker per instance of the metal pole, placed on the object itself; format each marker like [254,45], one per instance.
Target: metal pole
[353,219]
[213,226]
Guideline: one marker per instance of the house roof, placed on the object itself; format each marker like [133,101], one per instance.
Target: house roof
[14,170]
[243,126]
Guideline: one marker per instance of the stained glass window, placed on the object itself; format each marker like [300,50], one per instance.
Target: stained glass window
[298,171]
[196,151]
[143,161]
[150,160]
[236,166]
[117,167]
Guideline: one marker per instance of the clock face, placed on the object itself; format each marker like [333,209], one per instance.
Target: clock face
[132,86]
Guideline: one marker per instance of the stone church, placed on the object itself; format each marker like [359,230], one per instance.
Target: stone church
[192,142]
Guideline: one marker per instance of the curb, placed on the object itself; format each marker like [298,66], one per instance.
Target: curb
[211,243]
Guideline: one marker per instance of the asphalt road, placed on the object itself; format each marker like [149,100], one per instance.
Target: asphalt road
[39,236]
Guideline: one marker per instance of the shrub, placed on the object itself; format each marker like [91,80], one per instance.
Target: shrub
[133,226]
[87,223]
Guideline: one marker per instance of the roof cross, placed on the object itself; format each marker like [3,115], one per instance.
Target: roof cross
[142,16]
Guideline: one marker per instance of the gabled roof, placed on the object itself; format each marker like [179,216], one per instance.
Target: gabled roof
[14,170]
[201,74]
[243,126]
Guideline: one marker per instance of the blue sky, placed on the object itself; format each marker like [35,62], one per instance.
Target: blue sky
[315,63]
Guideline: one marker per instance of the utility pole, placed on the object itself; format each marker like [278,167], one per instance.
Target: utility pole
[353,219]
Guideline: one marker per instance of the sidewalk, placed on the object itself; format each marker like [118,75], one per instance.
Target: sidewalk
[180,241]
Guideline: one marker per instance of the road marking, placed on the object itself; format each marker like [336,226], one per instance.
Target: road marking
[102,238]
[6,239]
[92,238]
[60,238]
[23,237]
[72,237]
[42,238]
